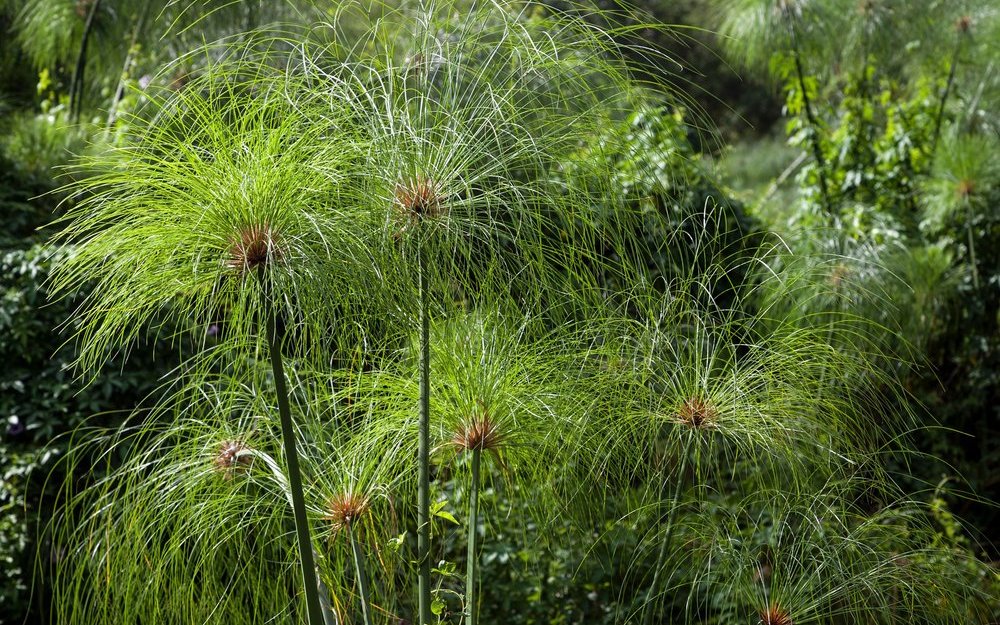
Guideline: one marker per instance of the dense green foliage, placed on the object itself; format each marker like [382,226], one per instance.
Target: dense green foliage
[899,116]
[647,402]
[40,394]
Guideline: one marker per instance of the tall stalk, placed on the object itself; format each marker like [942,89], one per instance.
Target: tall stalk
[817,149]
[360,571]
[76,82]
[309,577]
[423,450]
[324,599]
[471,616]
[947,91]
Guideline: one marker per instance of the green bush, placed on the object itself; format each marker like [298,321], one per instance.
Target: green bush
[40,396]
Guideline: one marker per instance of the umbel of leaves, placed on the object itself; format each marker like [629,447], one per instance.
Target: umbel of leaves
[225,198]
[193,494]
[464,128]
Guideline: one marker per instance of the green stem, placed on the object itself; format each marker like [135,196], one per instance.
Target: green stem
[972,244]
[471,616]
[423,453]
[944,96]
[324,598]
[282,482]
[76,82]
[813,123]
[359,569]
[309,577]
[120,89]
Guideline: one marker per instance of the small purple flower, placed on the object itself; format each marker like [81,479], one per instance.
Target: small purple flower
[213,330]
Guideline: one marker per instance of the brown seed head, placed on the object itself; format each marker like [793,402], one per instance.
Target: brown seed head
[696,412]
[479,432]
[965,188]
[179,79]
[774,615]
[838,274]
[346,508]
[83,8]
[418,199]
[963,24]
[231,457]
[252,247]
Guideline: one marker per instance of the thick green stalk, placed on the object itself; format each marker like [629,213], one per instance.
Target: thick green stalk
[471,616]
[76,81]
[817,149]
[324,599]
[309,577]
[282,481]
[813,135]
[423,453]
[359,569]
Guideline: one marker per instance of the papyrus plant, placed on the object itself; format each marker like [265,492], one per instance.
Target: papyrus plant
[505,412]
[296,196]
[711,409]
[190,519]
[217,214]
[464,123]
